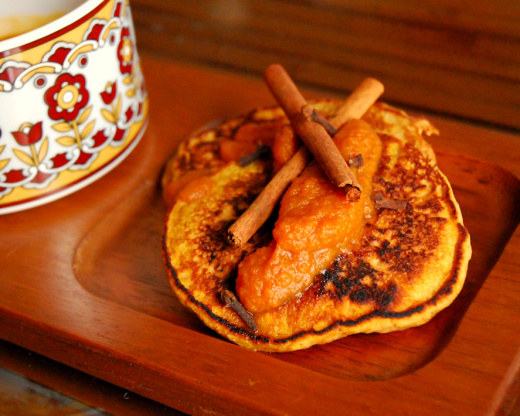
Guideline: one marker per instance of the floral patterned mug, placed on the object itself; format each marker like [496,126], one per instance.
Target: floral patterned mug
[73,102]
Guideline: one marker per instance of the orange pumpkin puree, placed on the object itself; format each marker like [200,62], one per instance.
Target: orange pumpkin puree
[285,145]
[195,189]
[172,190]
[316,223]
[195,183]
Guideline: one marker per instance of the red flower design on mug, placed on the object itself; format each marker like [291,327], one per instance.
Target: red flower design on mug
[67,97]
[31,135]
[28,135]
[110,93]
[125,52]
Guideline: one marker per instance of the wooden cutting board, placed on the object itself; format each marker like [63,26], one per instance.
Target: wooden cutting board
[83,283]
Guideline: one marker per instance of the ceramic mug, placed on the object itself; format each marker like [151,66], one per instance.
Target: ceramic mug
[73,102]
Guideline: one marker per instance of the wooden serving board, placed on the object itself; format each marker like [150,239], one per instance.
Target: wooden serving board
[83,282]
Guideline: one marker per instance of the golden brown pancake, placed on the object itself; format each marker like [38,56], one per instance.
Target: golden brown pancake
[409,262]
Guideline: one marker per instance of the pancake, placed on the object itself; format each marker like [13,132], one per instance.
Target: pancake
[408,260]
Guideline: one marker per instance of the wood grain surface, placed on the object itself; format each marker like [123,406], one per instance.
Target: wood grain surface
[125,248]
[54,389]
[82,283]
[457,57]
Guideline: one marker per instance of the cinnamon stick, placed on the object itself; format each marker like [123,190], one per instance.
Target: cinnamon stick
[229,299]
[259,211]
[312,134]
[358,102]
[310,113]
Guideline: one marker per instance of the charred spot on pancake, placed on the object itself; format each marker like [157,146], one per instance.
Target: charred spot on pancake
[197,153]
[204,152]
[214,238]
[430,206]
[405,174]
[358,281]
[407,240]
